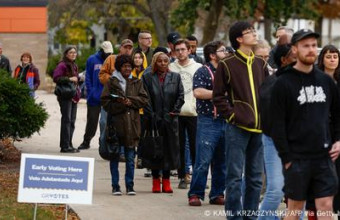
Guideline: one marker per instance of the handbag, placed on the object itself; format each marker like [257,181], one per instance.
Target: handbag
[110,150]
[152,144]
[65,90]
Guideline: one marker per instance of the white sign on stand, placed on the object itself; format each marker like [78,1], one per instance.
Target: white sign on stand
[55,179]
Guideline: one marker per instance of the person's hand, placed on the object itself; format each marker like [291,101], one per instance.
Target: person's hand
[127,102]
[172,114]
[287,165]
[334,152]
[124,101]
[74,79]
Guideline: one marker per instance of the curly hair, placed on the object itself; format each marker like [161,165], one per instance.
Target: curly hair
[121,60]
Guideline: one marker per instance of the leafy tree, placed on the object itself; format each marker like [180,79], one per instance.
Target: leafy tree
[20,116]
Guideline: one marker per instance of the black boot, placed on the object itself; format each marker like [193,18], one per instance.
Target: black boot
[84,146]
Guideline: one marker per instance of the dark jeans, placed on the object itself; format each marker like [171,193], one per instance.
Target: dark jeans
[129,168]
[244,151]
[68,110]
[187,125]
[91,123]
[210,150]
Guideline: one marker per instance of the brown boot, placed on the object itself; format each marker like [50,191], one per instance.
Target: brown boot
[156,185]
[166,186]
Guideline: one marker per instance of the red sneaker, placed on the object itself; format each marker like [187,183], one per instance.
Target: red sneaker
[194,201]
[217,201]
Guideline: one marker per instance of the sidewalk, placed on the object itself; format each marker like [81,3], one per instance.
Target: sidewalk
[145,205]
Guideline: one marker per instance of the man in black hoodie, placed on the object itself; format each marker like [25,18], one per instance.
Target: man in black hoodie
[306,103]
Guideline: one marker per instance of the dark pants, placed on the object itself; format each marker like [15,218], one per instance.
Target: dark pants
[165,174]
[91,123]
[68,110]
[187,125]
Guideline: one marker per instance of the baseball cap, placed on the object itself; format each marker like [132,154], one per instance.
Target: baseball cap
[126,42]
[173,37]
[302,34]
[107,47]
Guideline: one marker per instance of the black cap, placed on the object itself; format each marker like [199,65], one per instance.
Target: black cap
[173,37]
[302,34]
[160,49]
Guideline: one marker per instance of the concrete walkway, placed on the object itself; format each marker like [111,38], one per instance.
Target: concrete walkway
[145,205]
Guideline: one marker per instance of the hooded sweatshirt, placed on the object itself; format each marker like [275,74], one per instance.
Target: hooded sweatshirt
[187,73]
[304,106]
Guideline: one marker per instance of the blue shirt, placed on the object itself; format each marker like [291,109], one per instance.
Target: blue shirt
[202,79]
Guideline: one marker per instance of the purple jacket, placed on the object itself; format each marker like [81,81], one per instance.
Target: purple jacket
[61,72]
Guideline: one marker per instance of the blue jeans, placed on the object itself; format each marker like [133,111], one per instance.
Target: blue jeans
[102,126]
[209,149]
[274,179]
[244,151]
[187,155]
[129,172]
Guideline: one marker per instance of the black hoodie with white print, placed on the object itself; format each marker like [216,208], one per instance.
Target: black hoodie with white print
[304,106]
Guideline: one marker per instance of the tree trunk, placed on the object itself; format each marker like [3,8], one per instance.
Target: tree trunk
[211,22]
[318,29]
[159,14]
[268,30]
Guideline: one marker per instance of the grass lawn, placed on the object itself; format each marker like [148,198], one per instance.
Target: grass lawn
[9,177]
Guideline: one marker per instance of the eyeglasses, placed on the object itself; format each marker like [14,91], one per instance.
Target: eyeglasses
[181,49]
[146,38]
[250,31]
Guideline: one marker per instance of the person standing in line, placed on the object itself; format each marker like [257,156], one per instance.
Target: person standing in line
[306,103]
[105,73]
[328,62]
[4,62]
[273,195]
[94,90]
[193,46]
[166,97]
[123,114]
[186,67]
[235,95]
[172,38]
[144,44]
[210,132]
[282,30]
[27,73]
[67,70]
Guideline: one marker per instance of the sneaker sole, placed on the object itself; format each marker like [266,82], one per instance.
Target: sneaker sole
[131,193]
[117,194]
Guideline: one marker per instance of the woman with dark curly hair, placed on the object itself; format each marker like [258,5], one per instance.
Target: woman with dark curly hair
[122,98]
[67,70]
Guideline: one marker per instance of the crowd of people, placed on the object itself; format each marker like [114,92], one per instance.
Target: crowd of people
[245,111]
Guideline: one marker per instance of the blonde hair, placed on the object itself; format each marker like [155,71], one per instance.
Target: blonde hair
[154,59]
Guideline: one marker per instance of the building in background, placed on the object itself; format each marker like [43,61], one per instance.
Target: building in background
[23,27]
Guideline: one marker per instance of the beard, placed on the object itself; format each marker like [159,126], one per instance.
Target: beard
[306,60]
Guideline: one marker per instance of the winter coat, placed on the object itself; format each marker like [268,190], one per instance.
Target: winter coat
[61,73]
[32,77]
[163,100]
[125,118]
[93,85]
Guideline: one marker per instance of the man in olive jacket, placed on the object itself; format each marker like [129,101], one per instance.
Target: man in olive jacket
[235,95]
